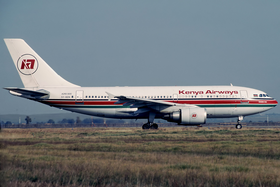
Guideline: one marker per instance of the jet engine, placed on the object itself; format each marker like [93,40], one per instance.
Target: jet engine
[188,116]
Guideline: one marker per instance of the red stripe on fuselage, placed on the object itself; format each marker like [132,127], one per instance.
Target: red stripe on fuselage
[193,102]
[202,102]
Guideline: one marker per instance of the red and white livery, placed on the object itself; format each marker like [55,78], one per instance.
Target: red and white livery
[185,105]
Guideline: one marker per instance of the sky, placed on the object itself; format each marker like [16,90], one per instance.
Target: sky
[144,43]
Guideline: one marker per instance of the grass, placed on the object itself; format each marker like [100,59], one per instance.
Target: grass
[136,157]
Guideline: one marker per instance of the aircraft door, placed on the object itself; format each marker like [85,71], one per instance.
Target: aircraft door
[243,94]
[244,97]
[79,96]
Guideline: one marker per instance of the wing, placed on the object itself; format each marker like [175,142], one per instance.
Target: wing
[149,105]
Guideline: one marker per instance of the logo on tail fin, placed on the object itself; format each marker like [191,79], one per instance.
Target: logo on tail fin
[27,64]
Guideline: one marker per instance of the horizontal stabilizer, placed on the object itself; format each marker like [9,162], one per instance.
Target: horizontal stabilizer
[39,94]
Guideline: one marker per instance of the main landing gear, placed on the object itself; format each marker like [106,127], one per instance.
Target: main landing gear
[238,125]
[150,124]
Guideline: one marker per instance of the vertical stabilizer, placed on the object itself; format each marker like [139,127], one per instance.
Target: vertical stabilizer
[33,70]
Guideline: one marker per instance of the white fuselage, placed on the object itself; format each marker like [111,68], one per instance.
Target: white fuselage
[219,101]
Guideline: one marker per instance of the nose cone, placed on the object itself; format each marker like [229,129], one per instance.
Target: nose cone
[276,102]
[268,104]
[272,103]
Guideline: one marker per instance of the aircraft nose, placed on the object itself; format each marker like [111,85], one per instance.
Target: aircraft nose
[274,102]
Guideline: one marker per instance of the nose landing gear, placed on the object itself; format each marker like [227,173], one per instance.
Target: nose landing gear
[238,125]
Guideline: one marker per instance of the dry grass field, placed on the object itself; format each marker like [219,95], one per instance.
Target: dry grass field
[135,157]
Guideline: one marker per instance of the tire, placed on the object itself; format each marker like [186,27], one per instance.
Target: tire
[146,126]
[154,126]
[239,126]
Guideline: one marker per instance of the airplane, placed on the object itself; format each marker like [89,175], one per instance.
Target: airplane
[185,105]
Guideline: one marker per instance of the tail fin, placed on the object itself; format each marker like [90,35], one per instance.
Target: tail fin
[32,69]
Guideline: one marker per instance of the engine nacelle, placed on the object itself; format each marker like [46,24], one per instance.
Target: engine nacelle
[188,116]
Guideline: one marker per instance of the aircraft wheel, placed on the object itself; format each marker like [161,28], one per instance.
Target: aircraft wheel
[146,126]
[154,126]
[238,126]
